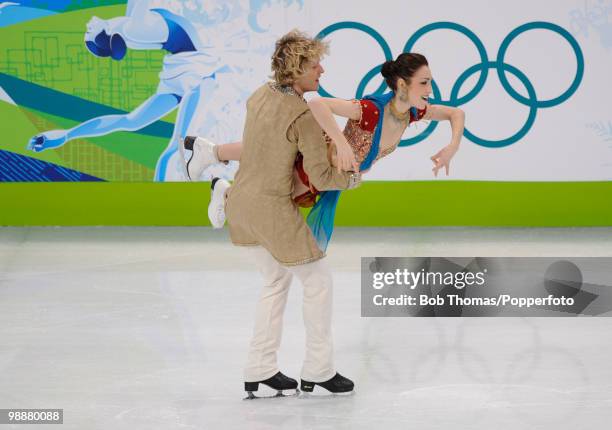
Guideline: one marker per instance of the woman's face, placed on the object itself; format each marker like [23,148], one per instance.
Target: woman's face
[419,89]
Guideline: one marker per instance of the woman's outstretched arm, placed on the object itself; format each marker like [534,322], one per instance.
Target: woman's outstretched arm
[324,109]
[456,117]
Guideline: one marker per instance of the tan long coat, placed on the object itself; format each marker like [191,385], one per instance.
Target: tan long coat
[259,207]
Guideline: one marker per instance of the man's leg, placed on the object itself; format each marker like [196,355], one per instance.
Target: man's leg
[316,278]
[318,366]
[262,362]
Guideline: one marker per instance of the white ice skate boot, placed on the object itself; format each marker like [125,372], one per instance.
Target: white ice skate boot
[216,207]
[203,154]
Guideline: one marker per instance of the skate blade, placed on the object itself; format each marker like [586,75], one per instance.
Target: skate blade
[279,394]
[327,395]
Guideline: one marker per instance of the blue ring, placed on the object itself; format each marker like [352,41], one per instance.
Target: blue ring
[368,30]
[555,29]
[366,80]
[484,58]
[438,97]
[533,109]
[501,67]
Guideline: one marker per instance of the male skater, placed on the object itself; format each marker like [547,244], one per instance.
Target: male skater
[262,214]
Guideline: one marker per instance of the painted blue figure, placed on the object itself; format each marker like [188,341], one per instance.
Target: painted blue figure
[190,72]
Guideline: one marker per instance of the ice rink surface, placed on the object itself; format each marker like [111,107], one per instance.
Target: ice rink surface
[148,328]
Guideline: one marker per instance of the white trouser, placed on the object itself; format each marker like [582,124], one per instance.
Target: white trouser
[317,282]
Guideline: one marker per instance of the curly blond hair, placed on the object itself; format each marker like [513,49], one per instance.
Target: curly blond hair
[291,54]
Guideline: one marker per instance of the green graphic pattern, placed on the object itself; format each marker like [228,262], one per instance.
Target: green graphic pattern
[50,52]
[56,58]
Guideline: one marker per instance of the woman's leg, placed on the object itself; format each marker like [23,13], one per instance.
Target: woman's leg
[229,151]
[299,187]
[233,151]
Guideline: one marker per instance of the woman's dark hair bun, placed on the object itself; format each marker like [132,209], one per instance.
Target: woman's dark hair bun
[403,67]
[388,69]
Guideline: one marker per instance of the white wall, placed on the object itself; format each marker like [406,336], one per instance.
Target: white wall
[568,142]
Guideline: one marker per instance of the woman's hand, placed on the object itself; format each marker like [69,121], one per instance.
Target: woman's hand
[457,120]
[443,157]
[345,158]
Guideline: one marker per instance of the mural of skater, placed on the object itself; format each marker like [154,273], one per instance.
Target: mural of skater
[204,46]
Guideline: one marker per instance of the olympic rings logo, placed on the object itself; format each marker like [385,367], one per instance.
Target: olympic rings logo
[502,68]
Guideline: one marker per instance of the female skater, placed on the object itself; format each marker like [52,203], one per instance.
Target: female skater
[374,129]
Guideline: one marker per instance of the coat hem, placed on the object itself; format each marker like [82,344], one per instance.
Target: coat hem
[284,263]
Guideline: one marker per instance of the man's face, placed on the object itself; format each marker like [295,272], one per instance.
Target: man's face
[309,81]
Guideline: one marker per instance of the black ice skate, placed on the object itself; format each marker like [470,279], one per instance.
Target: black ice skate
[277,382]
[337,384]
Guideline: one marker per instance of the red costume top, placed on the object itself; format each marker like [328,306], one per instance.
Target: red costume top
[359,134]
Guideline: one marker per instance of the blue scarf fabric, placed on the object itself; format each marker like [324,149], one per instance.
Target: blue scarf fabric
[320,219]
